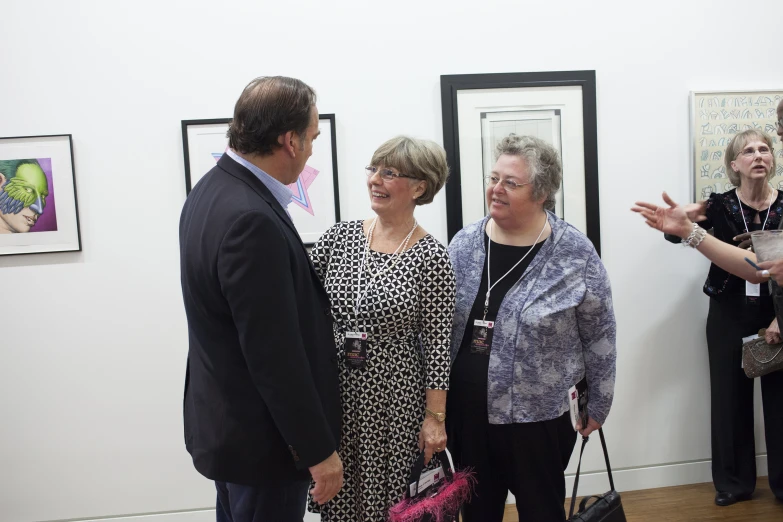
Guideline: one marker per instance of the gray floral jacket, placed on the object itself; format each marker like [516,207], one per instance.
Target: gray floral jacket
[554,326]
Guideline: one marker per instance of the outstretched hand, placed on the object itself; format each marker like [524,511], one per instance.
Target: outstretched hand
[676,220]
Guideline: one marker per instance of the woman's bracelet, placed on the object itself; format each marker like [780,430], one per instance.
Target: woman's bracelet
[696,237]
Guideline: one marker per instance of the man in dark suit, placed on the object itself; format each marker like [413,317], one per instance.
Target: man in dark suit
[261,407]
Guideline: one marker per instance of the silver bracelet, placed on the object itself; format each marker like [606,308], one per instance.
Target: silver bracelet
[696,236]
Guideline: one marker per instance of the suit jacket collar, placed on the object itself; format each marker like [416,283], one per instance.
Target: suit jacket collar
[240,172]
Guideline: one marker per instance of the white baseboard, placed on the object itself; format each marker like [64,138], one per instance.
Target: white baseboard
[650,477]
[589,484]
[201,515]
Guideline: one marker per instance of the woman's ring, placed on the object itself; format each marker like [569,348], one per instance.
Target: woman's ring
[765,273]
[437,449]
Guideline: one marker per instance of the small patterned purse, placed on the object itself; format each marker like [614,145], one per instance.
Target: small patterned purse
[760,358]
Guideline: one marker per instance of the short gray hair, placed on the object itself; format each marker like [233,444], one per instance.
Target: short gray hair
[423,159]
[543,162]
[737,143]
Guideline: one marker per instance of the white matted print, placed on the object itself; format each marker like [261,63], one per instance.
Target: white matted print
[716,116]
[38,206]
[315,204]
[561,106]
[543,124]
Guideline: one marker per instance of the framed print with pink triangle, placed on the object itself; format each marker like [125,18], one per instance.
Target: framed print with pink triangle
[315,205]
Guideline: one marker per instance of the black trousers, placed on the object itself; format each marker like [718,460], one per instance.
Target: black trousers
[528,459]
[731,394]
[283,502]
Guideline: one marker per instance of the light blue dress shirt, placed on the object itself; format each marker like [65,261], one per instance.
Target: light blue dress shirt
[281,193]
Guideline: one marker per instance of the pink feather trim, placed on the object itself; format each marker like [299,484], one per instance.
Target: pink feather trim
[441,506]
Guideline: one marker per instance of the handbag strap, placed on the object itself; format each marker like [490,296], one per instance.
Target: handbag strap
[576,477]
[579,468]
[753,354]
[606,458]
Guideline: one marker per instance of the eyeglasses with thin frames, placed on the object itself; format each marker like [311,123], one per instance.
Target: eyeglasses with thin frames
[386,174]
[508,184]
[779,123]
[750,151]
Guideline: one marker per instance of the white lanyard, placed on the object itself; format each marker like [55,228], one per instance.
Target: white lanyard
[743,214]
[489,248]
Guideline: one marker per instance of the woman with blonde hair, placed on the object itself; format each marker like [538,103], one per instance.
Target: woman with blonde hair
[391,288]
[739,307]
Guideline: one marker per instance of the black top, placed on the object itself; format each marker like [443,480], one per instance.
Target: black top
[725,220]
[471,367]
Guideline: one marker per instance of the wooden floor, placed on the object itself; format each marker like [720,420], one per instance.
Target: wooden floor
[690,503]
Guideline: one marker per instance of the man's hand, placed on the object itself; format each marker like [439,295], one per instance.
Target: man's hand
[328,478]
[745,242]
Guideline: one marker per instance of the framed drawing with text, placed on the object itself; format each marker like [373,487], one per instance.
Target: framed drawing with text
[716,116]
[38,206]
[315,205]
[559,107]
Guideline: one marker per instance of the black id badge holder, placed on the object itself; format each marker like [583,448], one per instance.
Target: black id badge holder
[356,349]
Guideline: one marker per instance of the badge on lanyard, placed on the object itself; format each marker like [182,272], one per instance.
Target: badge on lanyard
[481,343]
[752,289]
[356,349]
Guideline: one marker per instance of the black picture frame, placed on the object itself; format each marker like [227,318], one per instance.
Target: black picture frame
[586,79]
[65,236]
[186,146]
[192,177]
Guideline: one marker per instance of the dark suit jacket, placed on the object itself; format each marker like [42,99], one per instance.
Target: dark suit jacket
[261,395]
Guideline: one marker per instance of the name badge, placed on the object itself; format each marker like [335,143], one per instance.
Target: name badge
[428,478]
[356,349]
[481,342]
[752,290]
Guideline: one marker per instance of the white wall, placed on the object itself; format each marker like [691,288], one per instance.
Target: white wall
[93,344]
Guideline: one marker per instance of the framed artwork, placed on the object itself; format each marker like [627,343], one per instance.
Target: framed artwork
[315,205]
[716,116]
[38,206]
[479,110]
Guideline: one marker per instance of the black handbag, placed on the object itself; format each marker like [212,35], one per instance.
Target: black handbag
[439,502]
[607,507]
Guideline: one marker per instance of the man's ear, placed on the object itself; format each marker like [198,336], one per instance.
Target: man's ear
[286,141]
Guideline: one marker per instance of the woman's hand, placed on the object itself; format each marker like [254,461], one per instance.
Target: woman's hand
[696,212]
[674,220]
[771,270]
[773,333]
[432,437]
[592,425]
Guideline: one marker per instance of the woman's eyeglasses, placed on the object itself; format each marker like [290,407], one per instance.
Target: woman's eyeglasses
[508,184]
[750,151]
[386,174]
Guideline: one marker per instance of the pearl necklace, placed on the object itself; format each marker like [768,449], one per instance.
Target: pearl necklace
[395,256]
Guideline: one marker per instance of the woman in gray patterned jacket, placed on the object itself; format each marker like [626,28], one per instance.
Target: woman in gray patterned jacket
[533,318]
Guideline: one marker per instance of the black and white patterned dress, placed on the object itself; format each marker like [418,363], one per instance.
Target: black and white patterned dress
[408,313]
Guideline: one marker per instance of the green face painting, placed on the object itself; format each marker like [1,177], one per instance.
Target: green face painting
[22,195]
